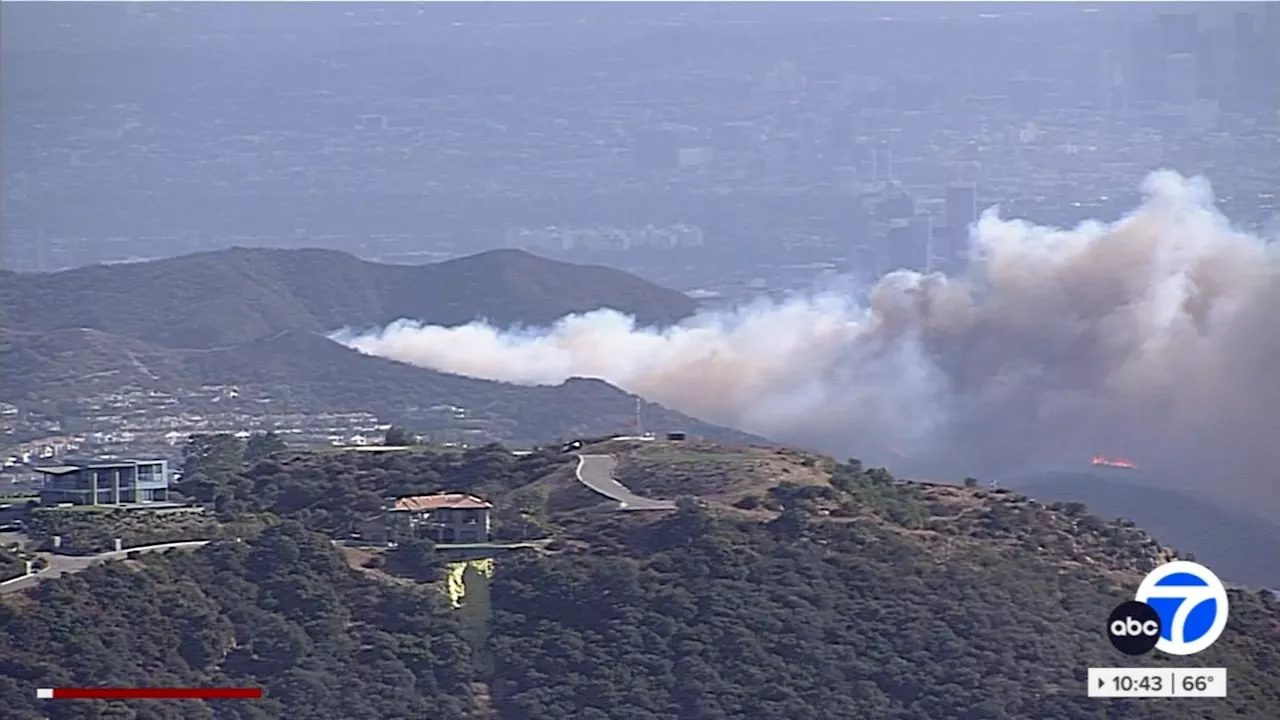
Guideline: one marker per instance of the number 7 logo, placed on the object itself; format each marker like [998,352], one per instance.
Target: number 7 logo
[1191,602]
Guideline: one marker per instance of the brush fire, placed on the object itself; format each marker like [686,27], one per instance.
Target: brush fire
[1113,462]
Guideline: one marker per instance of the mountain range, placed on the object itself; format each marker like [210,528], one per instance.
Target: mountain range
[258,318]
[228,297]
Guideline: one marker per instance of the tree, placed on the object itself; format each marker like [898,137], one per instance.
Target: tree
[209,465]
[397,436]
[417,558]
[212,455]
[522,517]
[971,482]
[263,445]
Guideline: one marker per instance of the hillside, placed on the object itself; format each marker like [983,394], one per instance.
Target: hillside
[78,362]
[308,373]
[229,297]
[72,342]
[795,587]
[1240,547]
[284,613]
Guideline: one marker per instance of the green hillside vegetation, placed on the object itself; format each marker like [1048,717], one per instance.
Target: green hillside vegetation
[333,492]
[13,563]
[89,532]
[712,616]
[66,363]
[785,586]
[727,474]
[284,613]
[229,297]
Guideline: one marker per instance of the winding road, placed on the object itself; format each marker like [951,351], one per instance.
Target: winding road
[596,472]
[68,564]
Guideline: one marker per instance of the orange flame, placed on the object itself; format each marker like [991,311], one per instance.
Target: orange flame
[1103,461]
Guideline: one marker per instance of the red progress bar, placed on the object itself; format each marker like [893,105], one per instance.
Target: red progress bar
[149,693]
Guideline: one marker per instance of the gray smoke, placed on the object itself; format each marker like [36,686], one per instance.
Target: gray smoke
[1156,338]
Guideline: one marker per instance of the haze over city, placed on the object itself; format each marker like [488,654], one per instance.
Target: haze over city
[761,158]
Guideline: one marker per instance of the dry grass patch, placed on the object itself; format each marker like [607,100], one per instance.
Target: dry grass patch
[715,473]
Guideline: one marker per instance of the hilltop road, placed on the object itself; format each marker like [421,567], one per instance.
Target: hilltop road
[596,472]
[69,564]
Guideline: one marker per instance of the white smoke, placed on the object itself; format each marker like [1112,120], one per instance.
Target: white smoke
[1156,337]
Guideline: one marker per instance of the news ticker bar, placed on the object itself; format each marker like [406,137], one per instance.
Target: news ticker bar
[149,693]
[1157,682]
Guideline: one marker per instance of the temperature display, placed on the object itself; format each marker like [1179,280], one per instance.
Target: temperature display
[1157,682]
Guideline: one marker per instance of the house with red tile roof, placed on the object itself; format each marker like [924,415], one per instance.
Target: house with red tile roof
[443,518]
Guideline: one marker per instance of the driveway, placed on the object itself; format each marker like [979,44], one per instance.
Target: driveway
[69,564]
[596,472]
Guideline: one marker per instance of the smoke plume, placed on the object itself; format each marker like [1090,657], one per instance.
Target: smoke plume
[1155,338]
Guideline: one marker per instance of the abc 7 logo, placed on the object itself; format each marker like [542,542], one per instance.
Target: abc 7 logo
[1134,628]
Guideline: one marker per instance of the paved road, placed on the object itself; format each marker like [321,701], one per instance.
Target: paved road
[596,472]
[68,564]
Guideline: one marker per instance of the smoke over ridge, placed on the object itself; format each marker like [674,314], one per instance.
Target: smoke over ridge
[1156,337]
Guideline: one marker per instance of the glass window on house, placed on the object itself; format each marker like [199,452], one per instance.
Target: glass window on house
[149,473]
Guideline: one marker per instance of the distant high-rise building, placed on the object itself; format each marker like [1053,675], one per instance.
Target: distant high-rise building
[1109,76]
[1270,47]
[1152,45]
[1255,60]
[1182,79]
[1144,79]
[961,213]
[962,205]
[1179,33]
[862,263]
[881,164]
[1244,59]
[922,242]
[897,246]
[907,243]
[896,206]
[1214,63]
[1242,25]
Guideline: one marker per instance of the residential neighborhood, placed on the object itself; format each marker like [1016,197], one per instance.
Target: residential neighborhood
[147,422]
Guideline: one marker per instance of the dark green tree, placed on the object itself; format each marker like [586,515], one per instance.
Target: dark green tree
[210,464]
[263,445]
[397,436]
[417,558]
[212,455]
